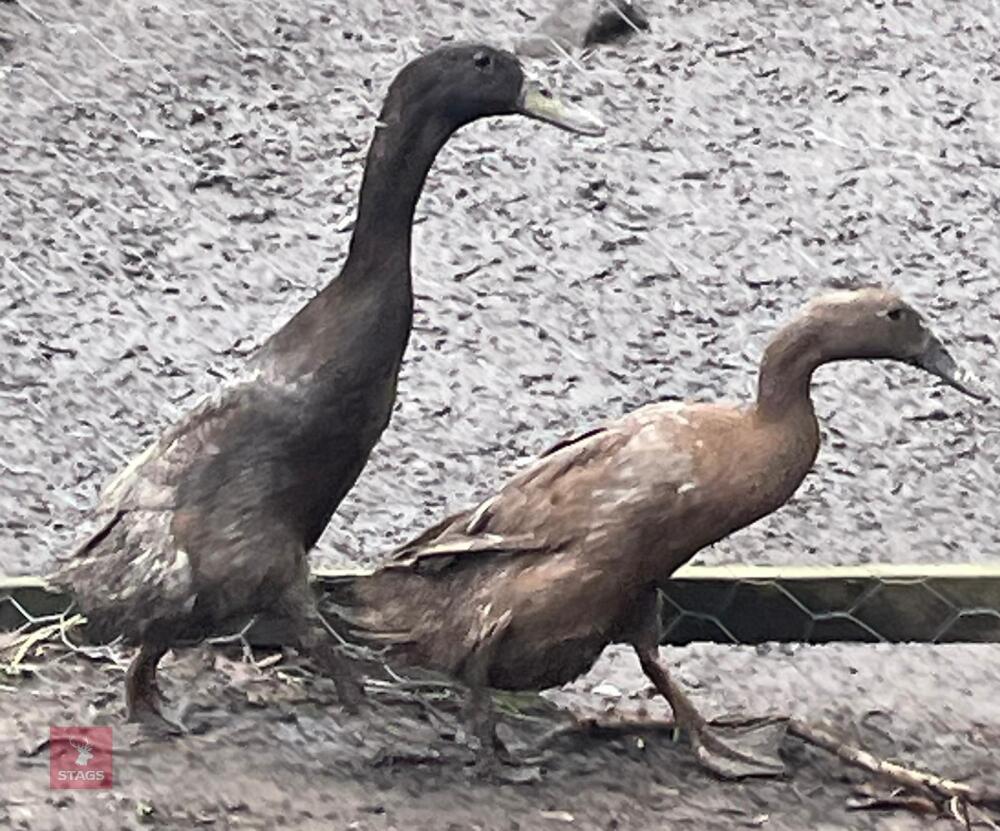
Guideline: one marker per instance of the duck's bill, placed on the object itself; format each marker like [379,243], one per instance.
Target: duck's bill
[537,102]
[938,361]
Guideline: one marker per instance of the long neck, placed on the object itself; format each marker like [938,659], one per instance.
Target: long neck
[786,370]
[373,289]
[401,154]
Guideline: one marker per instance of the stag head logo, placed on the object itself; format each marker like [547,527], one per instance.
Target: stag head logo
[84,752]
[80,757]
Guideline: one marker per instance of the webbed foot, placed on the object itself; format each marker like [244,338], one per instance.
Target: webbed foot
[738,751]
[499,764]
[146,711]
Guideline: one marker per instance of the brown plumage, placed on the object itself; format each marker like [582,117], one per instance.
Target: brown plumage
[525,590]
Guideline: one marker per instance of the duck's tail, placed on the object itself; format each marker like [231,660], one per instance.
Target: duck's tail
[349,604]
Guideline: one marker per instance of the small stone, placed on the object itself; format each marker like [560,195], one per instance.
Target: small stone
[558,816]
[608,690]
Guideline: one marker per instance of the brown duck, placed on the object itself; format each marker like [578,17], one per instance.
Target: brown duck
[524,591]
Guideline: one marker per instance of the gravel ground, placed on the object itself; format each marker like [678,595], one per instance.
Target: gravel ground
[177,179]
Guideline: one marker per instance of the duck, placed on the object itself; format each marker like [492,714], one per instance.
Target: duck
[214,521]
[524,591]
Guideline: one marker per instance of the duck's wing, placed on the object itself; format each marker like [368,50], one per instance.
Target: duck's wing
[131,568]
[523,516]
[149,482]
[548,537]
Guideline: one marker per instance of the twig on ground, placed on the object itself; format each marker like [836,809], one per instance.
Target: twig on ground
[30,619]
[23,645]
[958,799]
[415,685]
[240,638]
[31,12]
[981,816]
[402,695]
[628,20]
[937,787]
[105,652]
[362,652]
[37,630]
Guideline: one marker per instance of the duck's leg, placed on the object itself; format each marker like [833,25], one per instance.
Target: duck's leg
[730,752]
[313,639]
[316,642]
[479,713]
[482,721]
[143,699]
[493,758]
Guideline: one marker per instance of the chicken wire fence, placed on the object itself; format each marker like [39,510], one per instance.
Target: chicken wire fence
[845,605]
[171,179]
[126,122]
[122,175]
[952,605]
[115,145]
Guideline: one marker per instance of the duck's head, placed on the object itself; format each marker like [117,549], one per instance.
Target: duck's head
[460,83]
[877,323]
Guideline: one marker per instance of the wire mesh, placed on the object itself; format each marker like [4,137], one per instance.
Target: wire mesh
[726,606]
[847,607]
[166,166]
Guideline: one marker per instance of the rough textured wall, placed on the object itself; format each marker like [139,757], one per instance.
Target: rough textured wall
[178,179]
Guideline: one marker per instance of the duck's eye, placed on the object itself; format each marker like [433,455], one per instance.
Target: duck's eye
[894,314]
[482,60]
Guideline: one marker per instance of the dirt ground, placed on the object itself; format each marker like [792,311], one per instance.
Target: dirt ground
[177,182]
[272,750]
[178,178]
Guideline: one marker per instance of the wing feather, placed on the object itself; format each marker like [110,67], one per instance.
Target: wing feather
[503,523]
[131,569]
